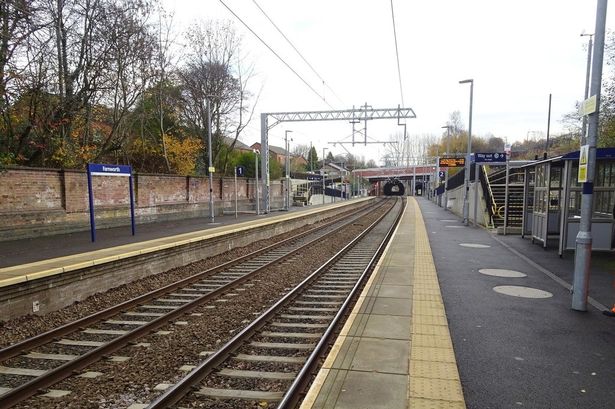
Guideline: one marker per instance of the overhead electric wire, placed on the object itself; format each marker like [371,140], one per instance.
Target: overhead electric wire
[276,54]
[401,89]
[297,51]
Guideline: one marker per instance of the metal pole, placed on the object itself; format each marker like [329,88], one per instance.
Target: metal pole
[506,195]
[211,176]
[132,204]
[323,175]
[466,208]
[548,128]
[448,140]
[265,163]
[235,192]
[287,170]
[583,248]
[476,169]
[258,205]
[587,79]
[91,203]
[414,181]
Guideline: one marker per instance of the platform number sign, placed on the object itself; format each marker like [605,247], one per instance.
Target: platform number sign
[442,174]
[240,171]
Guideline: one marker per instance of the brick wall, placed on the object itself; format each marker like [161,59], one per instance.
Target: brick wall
[36,202]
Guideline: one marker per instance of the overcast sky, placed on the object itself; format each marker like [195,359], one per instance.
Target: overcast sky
[517,52]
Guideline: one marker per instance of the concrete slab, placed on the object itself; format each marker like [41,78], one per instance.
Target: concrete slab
[381,355]
[392,306]
[366,390]
[390,327]
[395,291]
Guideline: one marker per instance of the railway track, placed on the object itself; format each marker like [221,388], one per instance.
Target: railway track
[271,360]
[127,322]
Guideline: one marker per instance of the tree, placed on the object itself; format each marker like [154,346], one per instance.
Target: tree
[312,159]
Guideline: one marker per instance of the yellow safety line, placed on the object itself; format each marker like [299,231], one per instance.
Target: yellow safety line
[434,378]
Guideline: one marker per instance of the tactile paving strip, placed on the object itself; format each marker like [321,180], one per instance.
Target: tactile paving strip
[434,378]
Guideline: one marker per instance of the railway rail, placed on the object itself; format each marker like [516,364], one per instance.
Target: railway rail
[258,364]
[130,320]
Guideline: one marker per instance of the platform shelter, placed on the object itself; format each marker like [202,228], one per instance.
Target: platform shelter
[552,201]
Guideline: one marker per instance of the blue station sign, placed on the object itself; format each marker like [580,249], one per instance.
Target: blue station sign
[99,169]
[490,157]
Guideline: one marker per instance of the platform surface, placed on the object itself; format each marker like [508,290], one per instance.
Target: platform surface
[27,259]
[431,331]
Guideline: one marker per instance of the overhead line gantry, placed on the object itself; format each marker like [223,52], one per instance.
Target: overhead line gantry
[364,113]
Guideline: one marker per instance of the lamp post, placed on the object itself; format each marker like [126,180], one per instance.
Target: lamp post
[209,165]
[256,153]
[466,205]
[324,162]
[589,66]
[287,166]
[448,140]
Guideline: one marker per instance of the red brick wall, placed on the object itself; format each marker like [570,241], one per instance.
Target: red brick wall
[32,200]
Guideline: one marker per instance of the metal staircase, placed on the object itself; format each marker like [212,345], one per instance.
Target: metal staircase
[496,181]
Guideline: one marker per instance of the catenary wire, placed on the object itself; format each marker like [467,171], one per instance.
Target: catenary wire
[276,54]
[297,51]
[401,89]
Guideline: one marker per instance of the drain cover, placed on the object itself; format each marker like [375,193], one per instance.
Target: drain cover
[523,292]
[502,273]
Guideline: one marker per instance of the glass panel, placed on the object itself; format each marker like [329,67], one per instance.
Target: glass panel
[574,203]
[604,204]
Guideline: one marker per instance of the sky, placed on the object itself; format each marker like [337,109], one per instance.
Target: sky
[517,52]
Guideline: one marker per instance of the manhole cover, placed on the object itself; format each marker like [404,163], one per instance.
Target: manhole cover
[523,292]
[474,245]
[497,272]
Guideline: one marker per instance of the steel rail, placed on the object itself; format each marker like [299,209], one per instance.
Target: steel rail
[67,369]
[41,339]
[178,391]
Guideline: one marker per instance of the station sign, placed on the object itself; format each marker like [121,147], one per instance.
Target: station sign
[442,174]
[452,162]
[490,157]
[98,169]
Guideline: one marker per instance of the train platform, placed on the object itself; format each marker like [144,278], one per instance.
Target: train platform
[456,317]
[43,274]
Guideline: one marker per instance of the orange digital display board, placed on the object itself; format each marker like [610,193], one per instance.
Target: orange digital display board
[452,162]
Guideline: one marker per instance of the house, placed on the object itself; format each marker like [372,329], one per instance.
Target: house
[239,146]
[279,155]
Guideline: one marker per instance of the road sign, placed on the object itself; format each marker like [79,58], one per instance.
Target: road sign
[490,157]
[240,170]
[583,159]
[452,162]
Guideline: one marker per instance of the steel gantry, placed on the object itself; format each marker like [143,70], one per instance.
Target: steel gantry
[364,113]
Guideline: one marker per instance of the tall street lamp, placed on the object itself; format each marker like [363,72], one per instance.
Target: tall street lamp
[210,169]
[466,205]
[287,167]
[324,162]
[448,141]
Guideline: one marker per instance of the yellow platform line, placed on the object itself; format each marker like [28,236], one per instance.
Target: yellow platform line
[45,268]
[434,377]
